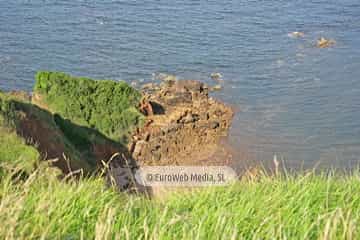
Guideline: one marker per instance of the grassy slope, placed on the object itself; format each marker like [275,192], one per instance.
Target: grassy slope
[86,113]
[14,151]
[303,207]
[13,148]
[105,105]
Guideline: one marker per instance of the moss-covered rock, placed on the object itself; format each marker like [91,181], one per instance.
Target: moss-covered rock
[110,107]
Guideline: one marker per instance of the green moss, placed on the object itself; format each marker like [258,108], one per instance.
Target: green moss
[105,105]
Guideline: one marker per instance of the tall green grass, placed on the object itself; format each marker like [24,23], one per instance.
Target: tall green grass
[307,206]
[14,151]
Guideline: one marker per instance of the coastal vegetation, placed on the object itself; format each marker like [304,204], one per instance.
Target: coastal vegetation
[105,105]
[305,206]
[14,151]
[80,122]
[74,116]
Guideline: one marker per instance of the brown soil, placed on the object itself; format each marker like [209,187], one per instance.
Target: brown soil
[36,125]
[48,141]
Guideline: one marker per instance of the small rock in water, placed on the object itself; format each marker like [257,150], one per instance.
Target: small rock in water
[217,87]
[296,34]
[165,77]
[170,78]
[300,55]
[134,83]
[149,86]
[324,43]
[216,76]
[280,62]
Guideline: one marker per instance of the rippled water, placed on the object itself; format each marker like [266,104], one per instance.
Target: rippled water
[298,102]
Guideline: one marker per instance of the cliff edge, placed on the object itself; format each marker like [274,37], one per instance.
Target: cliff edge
[84,124]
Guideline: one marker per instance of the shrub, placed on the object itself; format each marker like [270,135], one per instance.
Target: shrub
[105,105]
[7,109]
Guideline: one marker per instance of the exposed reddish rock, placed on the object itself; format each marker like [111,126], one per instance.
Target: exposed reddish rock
[185,127]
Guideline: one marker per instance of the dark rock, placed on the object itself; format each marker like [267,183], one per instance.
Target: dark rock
[146,108]
[147,136]
[157,108]
[189,118]
[214,125]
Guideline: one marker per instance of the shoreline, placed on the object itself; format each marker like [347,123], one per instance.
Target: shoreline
[174,123]
[304,205]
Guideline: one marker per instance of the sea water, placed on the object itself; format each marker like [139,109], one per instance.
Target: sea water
[294,100]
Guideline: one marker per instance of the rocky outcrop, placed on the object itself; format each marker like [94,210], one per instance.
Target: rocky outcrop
[79,123]
[183,124]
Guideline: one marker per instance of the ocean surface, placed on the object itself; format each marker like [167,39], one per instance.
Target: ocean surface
[293,100]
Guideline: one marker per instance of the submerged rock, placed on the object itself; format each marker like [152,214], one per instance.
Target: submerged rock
[296,34]
[216,76]
[165,77]
[324,43]
[217,87]
[134,83]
